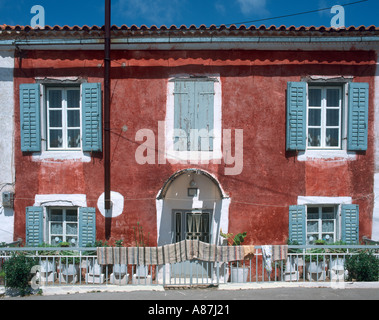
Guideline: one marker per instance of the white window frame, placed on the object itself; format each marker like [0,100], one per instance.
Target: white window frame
[47,201]
[193,156]
[336,232]
[52,155]
[324,109]
[316,201]
[64,109]
[64,234]
[330,154]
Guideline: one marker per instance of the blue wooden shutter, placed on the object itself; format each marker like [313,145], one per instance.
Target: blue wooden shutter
[297,219]
[296,116]
[30,118]
[34,226]
[91,117]
[350,223]
[204,115]
[184,113]
[358,116]
[87,226]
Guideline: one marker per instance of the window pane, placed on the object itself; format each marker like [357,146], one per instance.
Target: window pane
[55,118]
[55,240]
[312,226]
[315,97]
[55,99]
[314,117]
[332,97]
[73,97]
[312,237]
[314,137]
[56,215]
[73,118]
[56,139]
[328,226]
[72,215]
[72,228]
[328,237]
[333,117]
[56,228]
[73,137]
[73,241]
[328,213]
[332,137]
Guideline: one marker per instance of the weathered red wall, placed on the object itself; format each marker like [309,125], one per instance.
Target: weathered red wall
[253,99]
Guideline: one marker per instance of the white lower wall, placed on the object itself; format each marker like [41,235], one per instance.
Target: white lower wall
[375,216]
[7,173]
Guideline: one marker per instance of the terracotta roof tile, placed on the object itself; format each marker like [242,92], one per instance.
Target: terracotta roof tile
[202,27]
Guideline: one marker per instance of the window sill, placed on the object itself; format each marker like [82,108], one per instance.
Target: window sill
[330,155]
[59,156]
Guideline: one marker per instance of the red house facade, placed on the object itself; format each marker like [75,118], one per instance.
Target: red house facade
[268,131]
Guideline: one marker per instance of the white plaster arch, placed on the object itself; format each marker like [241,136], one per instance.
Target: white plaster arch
[173,195]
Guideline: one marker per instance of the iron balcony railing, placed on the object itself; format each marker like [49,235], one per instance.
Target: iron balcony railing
[79,266]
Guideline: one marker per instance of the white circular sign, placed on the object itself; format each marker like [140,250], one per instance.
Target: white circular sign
[116,208]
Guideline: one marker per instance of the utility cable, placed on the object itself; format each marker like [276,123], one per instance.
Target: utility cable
[294,14]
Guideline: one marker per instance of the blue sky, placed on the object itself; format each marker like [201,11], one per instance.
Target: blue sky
[188,12]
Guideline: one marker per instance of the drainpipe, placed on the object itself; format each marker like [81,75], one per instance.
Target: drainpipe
[107,96]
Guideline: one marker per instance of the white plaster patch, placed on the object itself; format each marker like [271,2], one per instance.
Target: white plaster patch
[302,200]
[57,156]
[195,156]
[116,208]
[7,171]
[60,200]
[335,155]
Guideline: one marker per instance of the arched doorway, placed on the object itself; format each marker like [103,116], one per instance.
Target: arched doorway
[191,205]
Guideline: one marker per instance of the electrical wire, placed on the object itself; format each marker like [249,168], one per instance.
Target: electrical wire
[294,14]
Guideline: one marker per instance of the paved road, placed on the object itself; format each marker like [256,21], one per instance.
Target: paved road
[220,295]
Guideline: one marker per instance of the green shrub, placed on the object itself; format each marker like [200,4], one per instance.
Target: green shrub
[363,267]
[18,272]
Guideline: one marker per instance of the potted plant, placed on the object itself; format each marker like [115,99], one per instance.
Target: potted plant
[238,273]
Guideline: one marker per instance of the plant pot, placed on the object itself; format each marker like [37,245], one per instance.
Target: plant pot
[315,267]
[47,266]
[142,271]
[70,269]
[120,269]
[239,274]
[95,269]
